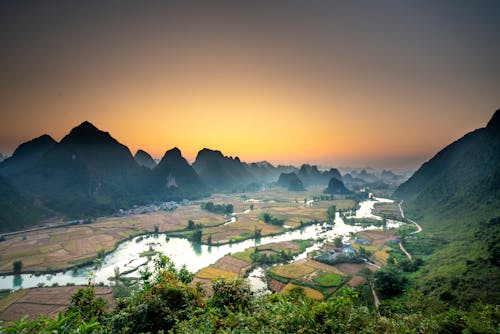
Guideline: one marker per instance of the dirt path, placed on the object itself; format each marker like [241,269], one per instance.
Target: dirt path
[419,229]
[376,301]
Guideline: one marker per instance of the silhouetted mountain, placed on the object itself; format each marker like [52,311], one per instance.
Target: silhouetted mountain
[220,172]
[144,159]
[310,175]
[290,181]
[2,157]
[17,211]
[336,187]
[25,156]
[173,171]
[88,172]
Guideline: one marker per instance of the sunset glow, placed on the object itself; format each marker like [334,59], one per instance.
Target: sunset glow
[263,82]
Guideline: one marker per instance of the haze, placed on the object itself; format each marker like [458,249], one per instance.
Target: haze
[382,83]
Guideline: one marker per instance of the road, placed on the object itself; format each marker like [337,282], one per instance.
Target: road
[419,229]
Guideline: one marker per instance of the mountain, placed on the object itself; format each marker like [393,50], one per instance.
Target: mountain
[173,171]
[26,155]
[144,159]
[389,175]
[461,174]
[336,187]
[265,172]
[17,211]
[290,181]
[365,176]
[87,173]
[220,172]
[2,157]
[455,196]
[310,175]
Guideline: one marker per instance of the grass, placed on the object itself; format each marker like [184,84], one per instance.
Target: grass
[245,255]
[328,280]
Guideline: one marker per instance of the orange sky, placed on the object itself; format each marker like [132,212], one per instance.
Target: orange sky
[333,84]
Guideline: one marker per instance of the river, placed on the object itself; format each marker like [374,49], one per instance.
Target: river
[183,252]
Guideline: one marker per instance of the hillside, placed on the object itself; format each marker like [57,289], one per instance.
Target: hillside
[456,198]
[17,211]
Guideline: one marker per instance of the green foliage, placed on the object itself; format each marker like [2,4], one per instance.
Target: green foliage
[269,219]
[389,282]
[230,296]
[338,242]
[17,267]
[226,209]
[331,213]
[274,257]
[192,225]
[86,306]
[196,236]
[164,302]
[257,233]
[365,222]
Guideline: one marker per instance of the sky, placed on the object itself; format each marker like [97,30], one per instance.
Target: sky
[335,83]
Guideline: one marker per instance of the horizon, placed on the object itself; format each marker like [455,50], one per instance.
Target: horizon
[386,85]
[402,164]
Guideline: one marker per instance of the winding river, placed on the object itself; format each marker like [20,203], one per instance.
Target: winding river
[183,252]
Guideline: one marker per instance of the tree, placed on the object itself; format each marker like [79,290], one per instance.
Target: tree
[191,225]
[196,236]
[389,282]
[338,242]
[157,229]
[209,240]
[18,266]
[257,233]
[331,213]
[229,209]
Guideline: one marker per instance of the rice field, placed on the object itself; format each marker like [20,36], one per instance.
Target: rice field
[311,293]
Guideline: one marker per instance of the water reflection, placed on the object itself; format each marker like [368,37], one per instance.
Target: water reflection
[18,281]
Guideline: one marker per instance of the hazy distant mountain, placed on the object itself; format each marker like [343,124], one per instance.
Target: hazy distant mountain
[290,181]
[25,156]
[365,176]
[144,159]
[389,175]
[310,175]
[266,172]
[336,187]
[220,172]
[173,171]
